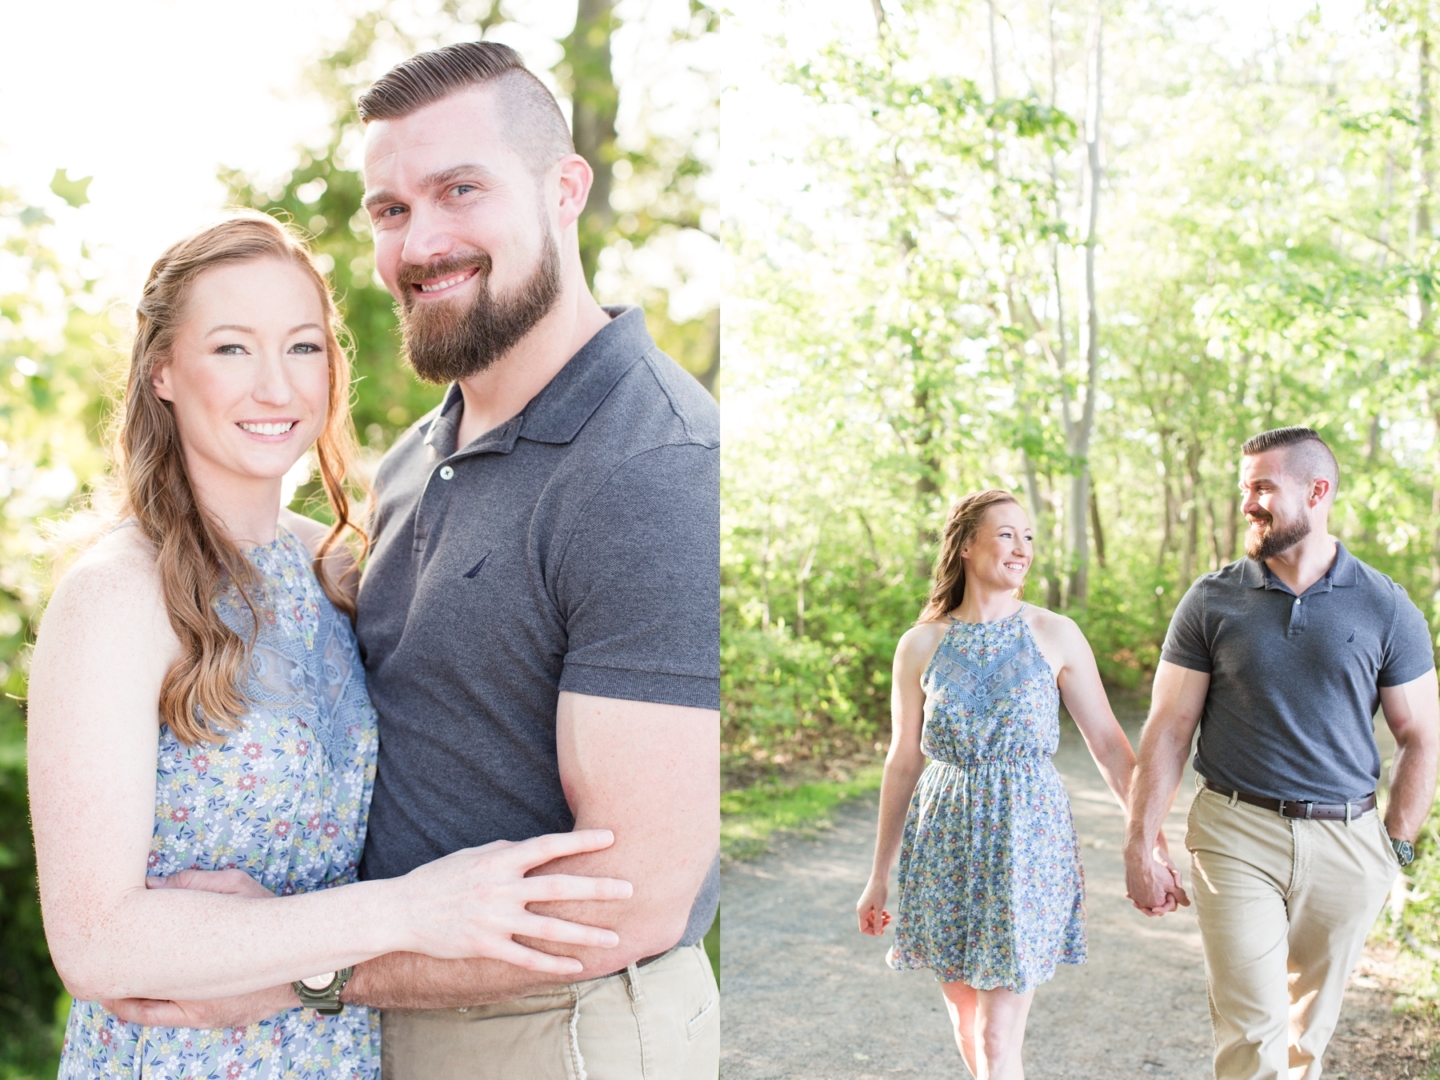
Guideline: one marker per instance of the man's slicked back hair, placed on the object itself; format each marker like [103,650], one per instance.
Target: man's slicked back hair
[1307,455]
[534,125]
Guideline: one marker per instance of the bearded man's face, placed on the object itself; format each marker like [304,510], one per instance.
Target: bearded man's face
[448,340]
[464,239]
[1275,503]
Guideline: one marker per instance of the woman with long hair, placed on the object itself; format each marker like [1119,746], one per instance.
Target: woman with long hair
[991,887]
[197,701]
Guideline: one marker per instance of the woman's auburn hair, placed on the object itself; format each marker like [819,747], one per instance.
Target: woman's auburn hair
[200,697]
[947,587]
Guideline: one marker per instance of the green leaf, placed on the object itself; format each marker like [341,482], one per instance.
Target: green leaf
[73,191]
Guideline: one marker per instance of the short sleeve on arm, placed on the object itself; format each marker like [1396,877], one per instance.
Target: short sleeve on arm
[1186,643]
[1408,651]
[639,582]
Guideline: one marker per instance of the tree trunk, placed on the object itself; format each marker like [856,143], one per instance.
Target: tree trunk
[1080,447]
[1095,528]
[1421,241]
[927,486]
[595,102]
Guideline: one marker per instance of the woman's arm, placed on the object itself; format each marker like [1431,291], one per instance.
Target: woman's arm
[102,653]
[1084,696]
[903,765]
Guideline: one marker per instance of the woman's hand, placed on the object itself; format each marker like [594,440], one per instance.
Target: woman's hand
[871,908]
[473,902]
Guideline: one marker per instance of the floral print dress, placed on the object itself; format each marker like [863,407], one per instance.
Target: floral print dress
[284,798]
[992,893]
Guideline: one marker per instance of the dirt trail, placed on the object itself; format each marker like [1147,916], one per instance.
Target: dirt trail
[807,997]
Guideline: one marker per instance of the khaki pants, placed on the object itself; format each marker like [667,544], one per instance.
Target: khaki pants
[658,1022]
[1284,905]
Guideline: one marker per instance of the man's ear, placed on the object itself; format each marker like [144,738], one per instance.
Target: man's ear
[1319,488]
[575,179]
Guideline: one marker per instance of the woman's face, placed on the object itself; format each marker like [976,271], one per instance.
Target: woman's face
[248,379]
[1002,550]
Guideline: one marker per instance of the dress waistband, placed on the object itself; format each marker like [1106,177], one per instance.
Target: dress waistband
[1008,759]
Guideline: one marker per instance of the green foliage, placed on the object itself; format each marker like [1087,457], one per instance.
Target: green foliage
[909,318]
[751,816]
[58,350]
[1417,928]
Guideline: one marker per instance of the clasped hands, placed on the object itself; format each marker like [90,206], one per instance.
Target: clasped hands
[1152,883]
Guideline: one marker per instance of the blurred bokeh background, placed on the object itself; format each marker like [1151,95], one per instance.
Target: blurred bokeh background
[123,126]
[1080,250]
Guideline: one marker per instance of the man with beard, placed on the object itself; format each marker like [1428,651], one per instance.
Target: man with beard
[540,613]
[1281,659]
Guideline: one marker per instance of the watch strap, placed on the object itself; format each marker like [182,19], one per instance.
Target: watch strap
[326,1000]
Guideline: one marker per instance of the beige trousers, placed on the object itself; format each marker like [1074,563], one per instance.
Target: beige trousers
[657,1022]
[1284,905]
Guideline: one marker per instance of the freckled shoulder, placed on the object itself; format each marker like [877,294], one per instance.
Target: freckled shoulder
[113,588]
[918,644]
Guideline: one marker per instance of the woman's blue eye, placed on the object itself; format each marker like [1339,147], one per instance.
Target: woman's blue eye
[230,350]
[306,347]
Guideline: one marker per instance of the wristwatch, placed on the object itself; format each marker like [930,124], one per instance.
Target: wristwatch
[1404,851]
[322,992]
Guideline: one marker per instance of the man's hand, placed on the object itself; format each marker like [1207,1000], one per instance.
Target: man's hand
[1152,883]
[220,1012]
[1176,701]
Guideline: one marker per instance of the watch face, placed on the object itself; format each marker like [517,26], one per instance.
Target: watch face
[1404,851]
[319,982]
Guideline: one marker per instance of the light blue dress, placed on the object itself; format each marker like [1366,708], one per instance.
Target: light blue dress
[283,798]
[991,889]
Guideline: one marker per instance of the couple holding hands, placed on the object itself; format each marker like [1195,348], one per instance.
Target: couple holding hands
[458,813]
[1280,660]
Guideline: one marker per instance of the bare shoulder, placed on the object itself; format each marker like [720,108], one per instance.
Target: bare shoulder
[919,643]
[117,573]
[310,532]
[1052,624]
[110,598]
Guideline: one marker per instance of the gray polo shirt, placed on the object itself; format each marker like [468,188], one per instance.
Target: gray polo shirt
[575,547]
[1295,681]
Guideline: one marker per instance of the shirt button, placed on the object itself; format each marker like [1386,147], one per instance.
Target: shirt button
[446,472]
[1297,602]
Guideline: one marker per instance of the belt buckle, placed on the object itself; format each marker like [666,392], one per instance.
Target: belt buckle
[1282,807]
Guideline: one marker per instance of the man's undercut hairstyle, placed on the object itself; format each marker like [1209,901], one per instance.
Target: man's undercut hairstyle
[534,125]
[1306,455]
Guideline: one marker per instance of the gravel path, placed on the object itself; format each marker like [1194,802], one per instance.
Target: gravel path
[807,997]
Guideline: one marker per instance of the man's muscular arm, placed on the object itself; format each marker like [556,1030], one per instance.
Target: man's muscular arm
[1413,716]
[650,773]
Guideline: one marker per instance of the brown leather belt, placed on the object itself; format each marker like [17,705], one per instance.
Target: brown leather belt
[1292,808]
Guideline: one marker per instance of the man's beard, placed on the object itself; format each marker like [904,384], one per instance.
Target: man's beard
[1269,541]
[444,343]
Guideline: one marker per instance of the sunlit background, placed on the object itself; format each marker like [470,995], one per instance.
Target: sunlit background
[913,191]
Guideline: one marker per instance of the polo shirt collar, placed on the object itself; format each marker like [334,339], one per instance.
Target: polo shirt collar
[1341,573]
[558,412]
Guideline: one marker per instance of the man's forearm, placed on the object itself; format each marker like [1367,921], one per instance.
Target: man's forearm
[1412,790]
[412,981]
[1158,769]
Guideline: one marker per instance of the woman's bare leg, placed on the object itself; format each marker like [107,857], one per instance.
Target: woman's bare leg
[960,1004]
[989,1029]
